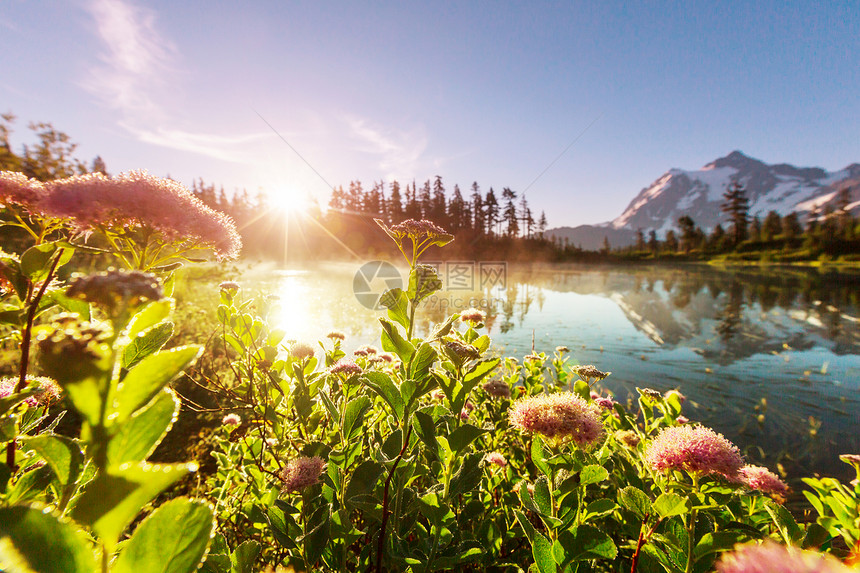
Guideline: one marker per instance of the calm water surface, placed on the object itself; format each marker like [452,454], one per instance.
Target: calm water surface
[770,358]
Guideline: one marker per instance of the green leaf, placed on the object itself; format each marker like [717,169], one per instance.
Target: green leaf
[112,500]
[32,539]
[153,373]
[393,341]
[36,261]
[433,508]
[542,550]
[713,542]
[426,430]
[784,521]
[63,454]
[468,476]
[173,539]
[31,486]
[382,385]
[150,315]
[423,281]
[353,415]
[599,507]
[363,480]
[635,500]
[669,504]
[422,361]
[815,537]
[461,437]
[146,343]
[542,496]
[137,437]
[584,542]
[397,303]
[243,558]
[592,474]
[539,456]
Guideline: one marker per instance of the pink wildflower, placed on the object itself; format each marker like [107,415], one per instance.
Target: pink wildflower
[605,403]
[670,393]
[365,350]
[682,419]
[496,458]
[139,199]
[438,394]
[386,357]
[231,420]
[497,389]
[627,437]
[695,449]
[770,557]
[301,473]
[344,366]
[589,372]
[462,350]
[562,415]
[301,351]
[336,335]
[18,189]
[472,315]
[762,479]
[48,390]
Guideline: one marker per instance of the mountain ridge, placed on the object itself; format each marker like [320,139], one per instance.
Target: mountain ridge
[780,187]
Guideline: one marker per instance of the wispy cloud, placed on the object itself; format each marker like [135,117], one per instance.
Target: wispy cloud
[398,152]
[226,148]
[133,75]
[136,58]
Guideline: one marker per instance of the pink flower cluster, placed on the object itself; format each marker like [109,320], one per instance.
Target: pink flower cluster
[130,200]
[48,390]
[770,557]
[496,459]
[18,189]
[301,472]
[762,479]
[419,229]
[497,389]
[472,315]
[561,415]
[345,366]
[301,351]
[694,449]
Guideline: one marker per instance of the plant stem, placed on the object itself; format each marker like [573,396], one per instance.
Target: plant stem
[26,336]
[381,546]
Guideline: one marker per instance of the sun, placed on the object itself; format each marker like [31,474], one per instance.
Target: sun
[288,201]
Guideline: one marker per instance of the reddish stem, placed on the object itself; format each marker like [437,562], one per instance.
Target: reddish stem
[26,336]
[385,512]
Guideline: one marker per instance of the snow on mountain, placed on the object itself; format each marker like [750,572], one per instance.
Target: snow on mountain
[780,187]
[699,194]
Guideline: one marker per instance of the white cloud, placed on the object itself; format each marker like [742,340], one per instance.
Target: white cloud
[135,74]
[399,152]
[233,149]
[136,60]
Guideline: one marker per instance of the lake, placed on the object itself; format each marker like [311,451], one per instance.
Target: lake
[769,357]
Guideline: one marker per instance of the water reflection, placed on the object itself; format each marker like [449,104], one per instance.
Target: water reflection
[770,358]
[724,315]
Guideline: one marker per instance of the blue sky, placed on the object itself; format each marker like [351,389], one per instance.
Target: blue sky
[490,92]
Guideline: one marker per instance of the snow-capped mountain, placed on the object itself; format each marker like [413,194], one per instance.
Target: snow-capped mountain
[782,188]
[699,194]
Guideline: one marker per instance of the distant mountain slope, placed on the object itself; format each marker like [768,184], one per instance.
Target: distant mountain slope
[781,187]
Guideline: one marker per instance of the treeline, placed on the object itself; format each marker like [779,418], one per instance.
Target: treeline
[825,233]
[51,157]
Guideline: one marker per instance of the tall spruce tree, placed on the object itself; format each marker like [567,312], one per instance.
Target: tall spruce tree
[736,205]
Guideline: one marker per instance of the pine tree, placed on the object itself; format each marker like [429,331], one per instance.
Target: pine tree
[491,211]
[478,216]
[542,224]
[736,205]
[438,208]
[510,212]
[395,204]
